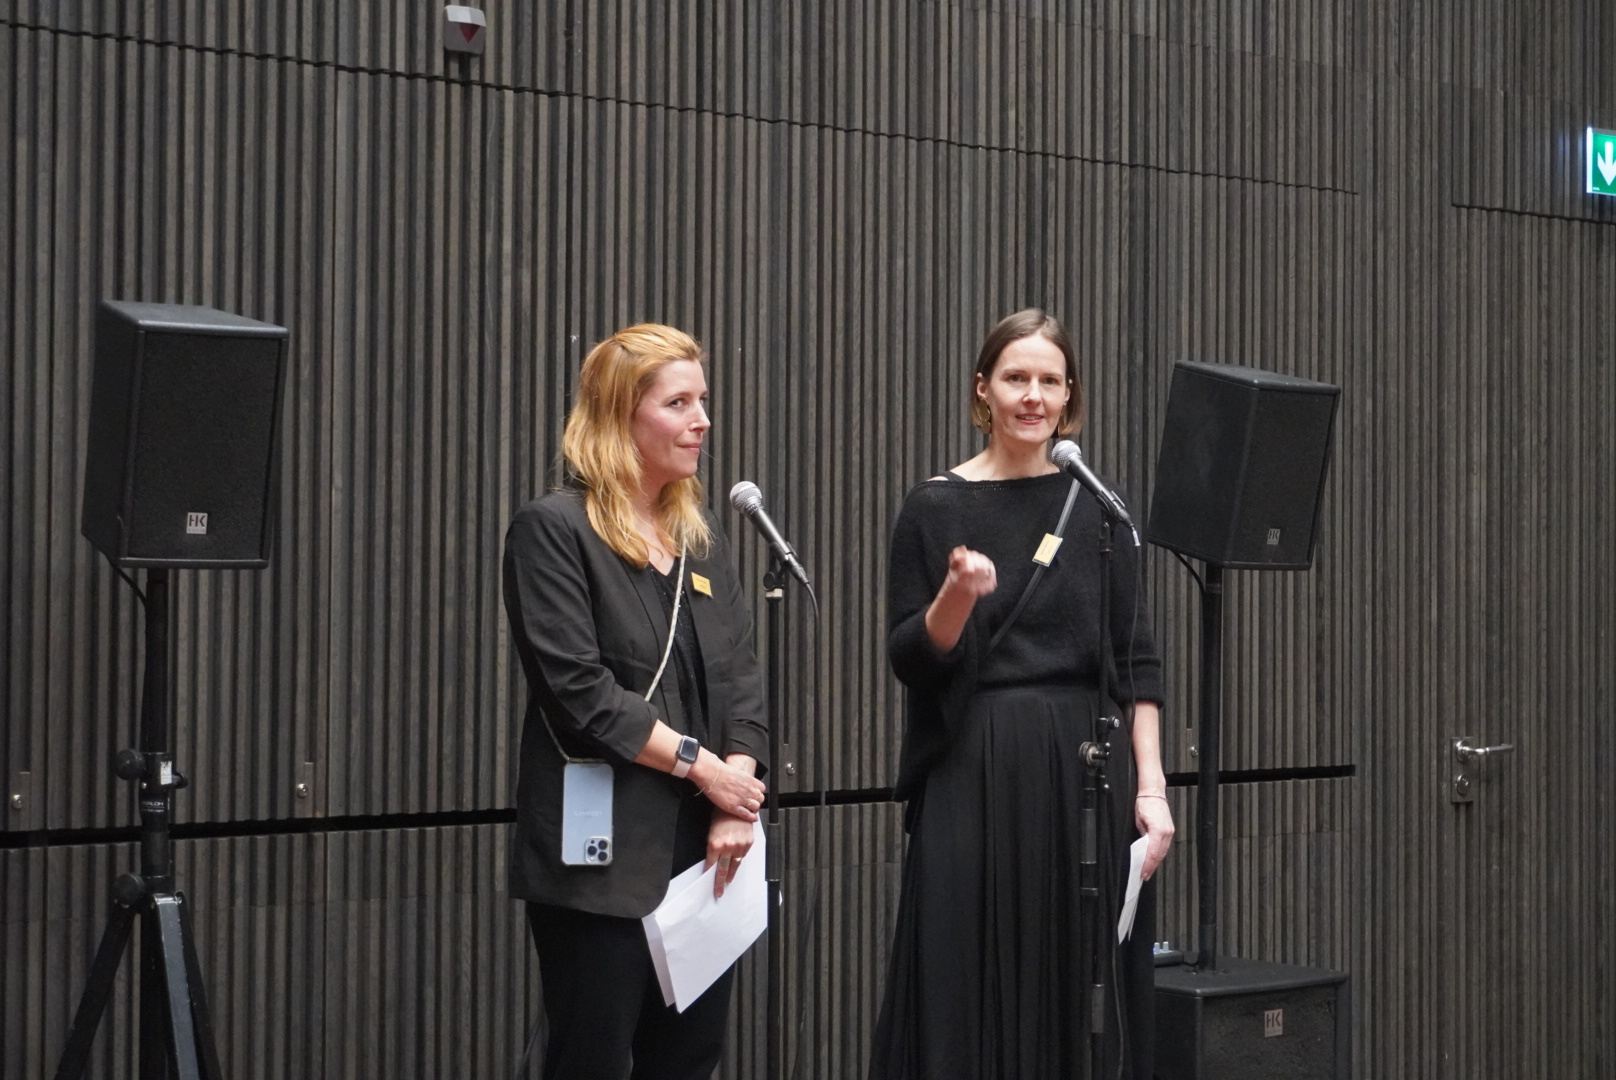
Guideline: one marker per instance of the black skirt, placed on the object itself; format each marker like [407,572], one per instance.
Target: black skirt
[990,959]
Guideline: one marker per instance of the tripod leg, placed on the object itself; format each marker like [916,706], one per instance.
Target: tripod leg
[96,992]
[181,1029]
[199,1010]
[154,1056]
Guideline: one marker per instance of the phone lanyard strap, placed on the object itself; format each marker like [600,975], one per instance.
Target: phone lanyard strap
[667,650]
[673,624]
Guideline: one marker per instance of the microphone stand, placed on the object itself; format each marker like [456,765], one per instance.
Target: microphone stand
[1097,883]
[1096,840]
[774,595]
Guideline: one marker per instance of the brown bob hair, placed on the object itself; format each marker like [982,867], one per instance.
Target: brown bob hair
[1025,324]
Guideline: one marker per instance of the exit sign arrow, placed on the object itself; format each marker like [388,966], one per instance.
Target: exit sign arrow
[1601,162]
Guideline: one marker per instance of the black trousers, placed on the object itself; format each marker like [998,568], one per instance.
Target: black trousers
[602,1003]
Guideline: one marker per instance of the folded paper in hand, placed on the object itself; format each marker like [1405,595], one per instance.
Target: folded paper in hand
[694,938]
[1136,874]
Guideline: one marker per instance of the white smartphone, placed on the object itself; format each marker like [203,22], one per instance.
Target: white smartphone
[586,813]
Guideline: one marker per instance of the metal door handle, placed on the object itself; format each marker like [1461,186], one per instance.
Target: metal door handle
[1467,764]
[1463,748]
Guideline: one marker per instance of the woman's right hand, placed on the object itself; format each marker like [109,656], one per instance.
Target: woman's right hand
[970,574]
[732,790]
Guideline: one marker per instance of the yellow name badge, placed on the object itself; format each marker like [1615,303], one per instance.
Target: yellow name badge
[701,585]
[1046,550]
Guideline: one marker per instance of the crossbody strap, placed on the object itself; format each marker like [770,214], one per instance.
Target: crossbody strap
[667,650]
[1038,572]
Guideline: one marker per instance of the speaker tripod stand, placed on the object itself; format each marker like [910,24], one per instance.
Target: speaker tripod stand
[176,1029]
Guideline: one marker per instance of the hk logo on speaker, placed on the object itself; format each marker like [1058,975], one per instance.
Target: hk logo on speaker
[1273,537]
[196,524]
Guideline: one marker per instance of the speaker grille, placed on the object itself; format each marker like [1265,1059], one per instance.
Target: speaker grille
[201,470]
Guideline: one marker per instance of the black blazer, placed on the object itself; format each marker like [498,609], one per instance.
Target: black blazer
[589,629]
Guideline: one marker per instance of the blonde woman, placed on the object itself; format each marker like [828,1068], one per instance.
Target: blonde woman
[596,575]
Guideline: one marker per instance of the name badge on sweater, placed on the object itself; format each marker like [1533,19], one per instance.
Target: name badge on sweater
[1046,550]
[701,584]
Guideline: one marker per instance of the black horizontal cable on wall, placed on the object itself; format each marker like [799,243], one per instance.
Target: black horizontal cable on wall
[793,800]
[1539,214]
[204,830]
[725,114]
[1266,776]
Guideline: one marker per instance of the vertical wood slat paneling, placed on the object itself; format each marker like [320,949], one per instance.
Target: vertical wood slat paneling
[404,768]
[838,896]
[983,80]
[1286,888]
[363,954]
[851,294]
[384,952]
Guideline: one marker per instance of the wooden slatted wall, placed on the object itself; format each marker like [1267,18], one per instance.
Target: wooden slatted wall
[838,198]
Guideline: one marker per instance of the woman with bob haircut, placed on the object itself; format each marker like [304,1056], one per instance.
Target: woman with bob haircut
[636,641]
[994,628]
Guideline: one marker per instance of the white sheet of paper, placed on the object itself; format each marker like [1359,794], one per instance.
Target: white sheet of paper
[1130,901]
[694,938]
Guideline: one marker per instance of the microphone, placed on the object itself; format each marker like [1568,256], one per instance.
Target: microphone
[746,498]
[1070,459]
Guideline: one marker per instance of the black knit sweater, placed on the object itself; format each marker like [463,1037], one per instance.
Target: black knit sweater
[1054,641]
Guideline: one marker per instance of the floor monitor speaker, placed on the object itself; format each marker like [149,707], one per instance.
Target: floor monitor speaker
[180,463]
[1240,477]
[1251,1020]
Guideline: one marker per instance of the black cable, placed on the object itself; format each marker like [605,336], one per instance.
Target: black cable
[802,1002]
[1199,584]
[125,575]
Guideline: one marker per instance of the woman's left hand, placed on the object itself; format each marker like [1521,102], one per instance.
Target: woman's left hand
[729,838]
[1155,820]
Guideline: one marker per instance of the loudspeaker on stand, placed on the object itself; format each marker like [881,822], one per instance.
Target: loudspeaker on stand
[1240,475]
[180,466]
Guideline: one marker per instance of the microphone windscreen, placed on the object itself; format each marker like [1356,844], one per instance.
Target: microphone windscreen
[1066,454]
[746,497]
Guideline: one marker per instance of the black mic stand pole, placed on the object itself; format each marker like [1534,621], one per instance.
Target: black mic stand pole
[176,1030]
[774,595]
[1098,841]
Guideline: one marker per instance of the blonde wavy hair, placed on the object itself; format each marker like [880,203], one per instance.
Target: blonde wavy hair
[598,443]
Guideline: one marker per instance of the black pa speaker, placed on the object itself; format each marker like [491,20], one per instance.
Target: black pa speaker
[1240,477]
[180,464]
[1251,1020]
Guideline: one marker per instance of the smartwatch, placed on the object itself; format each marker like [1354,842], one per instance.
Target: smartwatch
[688,749]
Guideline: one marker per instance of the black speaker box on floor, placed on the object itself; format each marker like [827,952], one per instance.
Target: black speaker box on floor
[1240,476]
[1251,1020]
[180,466]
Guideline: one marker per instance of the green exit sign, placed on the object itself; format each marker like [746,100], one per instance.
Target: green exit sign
[1601,162]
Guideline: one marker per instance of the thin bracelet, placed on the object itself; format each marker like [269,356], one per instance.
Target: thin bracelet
[1150,797]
